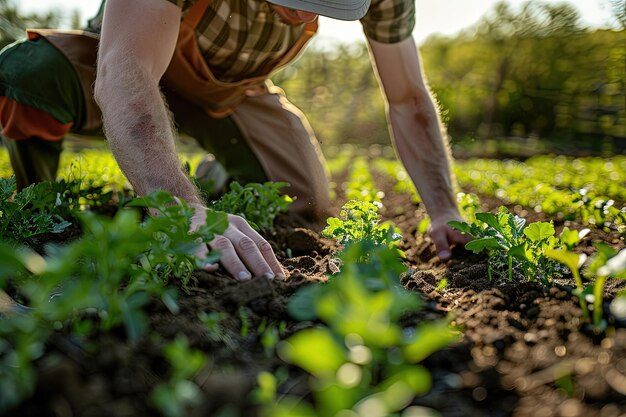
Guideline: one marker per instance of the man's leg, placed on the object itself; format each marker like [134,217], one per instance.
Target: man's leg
[40,101]
[284,143]
[221,137]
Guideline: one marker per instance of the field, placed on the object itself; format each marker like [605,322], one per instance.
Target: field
[116,320]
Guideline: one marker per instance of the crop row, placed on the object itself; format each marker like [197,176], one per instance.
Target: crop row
[591,190]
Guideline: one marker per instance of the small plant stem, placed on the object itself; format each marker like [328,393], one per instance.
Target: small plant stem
[581,298]
[510,268]
[598,286]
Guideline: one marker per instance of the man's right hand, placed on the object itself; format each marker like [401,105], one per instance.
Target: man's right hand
[244,253]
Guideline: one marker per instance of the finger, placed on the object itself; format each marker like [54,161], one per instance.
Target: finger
[265,249]
[442,246]
[458,237]
[202,253]
[229,258]
[249,253]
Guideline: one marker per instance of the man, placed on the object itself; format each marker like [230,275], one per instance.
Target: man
[212,59]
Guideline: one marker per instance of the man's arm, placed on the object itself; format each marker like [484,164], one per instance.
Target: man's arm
[137,43]
[418,136]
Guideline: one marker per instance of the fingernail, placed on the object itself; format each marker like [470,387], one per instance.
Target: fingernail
[281,277]
[244,276]
[268,276]
[444,254]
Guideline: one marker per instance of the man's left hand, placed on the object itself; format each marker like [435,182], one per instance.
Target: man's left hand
[445,236]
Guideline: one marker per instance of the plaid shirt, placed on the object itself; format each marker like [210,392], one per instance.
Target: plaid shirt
[240,38]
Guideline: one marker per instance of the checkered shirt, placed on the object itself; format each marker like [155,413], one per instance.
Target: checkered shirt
[243,38]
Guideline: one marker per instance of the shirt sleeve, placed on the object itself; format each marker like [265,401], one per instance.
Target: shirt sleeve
[389,21]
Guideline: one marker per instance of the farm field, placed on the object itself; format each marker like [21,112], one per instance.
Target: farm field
[115,319]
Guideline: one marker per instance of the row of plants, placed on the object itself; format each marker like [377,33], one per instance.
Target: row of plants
[533,252]
[591,190]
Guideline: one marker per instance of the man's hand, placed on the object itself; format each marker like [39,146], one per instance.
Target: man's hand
[244,252]
[444,236]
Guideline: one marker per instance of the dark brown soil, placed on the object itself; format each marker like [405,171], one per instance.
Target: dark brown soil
[524,350]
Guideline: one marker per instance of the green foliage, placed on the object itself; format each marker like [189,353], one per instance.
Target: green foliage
[588,190]
[606,263]
[259,204]
[359,221]
[174,397]
[23,216]
[106,278]
[513,247]
[363,356]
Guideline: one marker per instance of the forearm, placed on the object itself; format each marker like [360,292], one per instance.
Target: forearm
[139,131]
[417,133]
[420,142]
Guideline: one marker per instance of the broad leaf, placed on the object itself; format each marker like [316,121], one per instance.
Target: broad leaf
[481,244]
[539,231]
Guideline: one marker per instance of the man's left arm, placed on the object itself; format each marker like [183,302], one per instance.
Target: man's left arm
[418,136]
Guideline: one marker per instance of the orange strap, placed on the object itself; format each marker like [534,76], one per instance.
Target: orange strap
[194,15]
[20,121]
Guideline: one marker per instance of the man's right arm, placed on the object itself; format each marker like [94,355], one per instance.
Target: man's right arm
[137,43]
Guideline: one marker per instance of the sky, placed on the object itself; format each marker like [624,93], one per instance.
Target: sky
[432,17]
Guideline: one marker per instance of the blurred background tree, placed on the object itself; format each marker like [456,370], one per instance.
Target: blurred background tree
[519,76]
[533,75]
[13,23]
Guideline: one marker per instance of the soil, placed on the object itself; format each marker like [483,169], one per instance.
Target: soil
[524,350]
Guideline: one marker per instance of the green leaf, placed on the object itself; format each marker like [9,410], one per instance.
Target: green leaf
[539,231]
[569,259]
[461,226]
[429,338]
[216,221]
[314,350]
[489,219]
[478,245]
[521,252]
[301,305]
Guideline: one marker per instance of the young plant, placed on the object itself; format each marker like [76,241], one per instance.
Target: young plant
[359,221]
[105,278]
[259,204]
[606,263]
[20,218]
[175,397]
[363,357]
[512,246]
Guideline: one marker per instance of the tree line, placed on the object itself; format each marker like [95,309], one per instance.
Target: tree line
[532,72]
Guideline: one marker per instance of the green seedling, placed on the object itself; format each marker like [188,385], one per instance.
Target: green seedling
[175,397]
[107,278]
[259,204]
[359,221]
[20,220]
[606,263]
[362,357]
[512,246]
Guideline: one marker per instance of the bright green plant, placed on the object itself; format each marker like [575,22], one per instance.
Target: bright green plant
[259,204]
[174,397]
[363,358]
[20,220]
[512,246]
[606,263]
[105,278]
[360,221]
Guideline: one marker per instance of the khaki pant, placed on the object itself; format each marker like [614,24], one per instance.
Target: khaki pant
[266,138]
